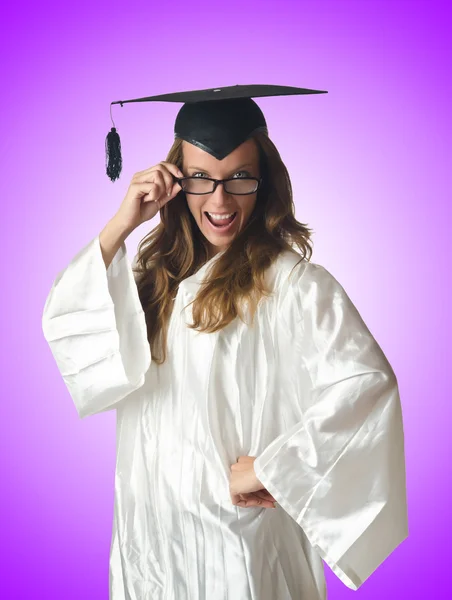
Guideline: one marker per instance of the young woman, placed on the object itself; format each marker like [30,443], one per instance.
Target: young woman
[242,375]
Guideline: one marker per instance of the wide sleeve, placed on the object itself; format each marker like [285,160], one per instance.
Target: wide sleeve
[340,471]
[94,324]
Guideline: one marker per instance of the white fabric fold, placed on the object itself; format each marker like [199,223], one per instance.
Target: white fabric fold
[95,326]
[339,471]
[306,389]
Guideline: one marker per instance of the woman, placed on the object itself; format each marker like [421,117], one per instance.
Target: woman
[242,375]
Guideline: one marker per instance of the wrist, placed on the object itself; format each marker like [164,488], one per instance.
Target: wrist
[119,229]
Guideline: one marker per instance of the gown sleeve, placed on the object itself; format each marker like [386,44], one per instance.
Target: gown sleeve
[94,324]
[340,471]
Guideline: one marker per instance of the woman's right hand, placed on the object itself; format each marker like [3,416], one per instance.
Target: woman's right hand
[147,194]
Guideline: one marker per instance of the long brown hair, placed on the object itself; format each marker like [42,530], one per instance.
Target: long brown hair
[175,249]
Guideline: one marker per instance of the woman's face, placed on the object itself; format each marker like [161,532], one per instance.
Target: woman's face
[242,162]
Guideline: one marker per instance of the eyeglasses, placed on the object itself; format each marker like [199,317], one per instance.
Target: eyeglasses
[206,185]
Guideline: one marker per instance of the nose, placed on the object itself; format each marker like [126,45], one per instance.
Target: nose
[220,196]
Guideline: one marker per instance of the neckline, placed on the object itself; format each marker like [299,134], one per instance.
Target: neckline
[201,271]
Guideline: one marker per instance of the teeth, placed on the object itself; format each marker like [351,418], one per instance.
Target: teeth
[214,216]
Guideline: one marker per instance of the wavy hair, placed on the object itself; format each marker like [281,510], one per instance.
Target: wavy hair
[175,249]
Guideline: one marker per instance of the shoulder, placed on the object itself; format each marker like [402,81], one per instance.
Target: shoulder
[303,284]
[291,271]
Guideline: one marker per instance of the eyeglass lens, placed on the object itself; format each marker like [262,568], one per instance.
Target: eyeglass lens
[198,185]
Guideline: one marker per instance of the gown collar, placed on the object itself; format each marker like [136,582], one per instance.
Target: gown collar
[198,277]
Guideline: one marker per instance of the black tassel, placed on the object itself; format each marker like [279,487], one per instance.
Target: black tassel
[113,154]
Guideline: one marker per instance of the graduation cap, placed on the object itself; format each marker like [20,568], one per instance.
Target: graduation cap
[217,120]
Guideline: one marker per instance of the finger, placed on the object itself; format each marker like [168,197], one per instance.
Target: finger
[167,187]
[236,499]
[260,500]
[165,199]
[253,501]
[145,172]
[172,168]
[175,188]
[167,180]
[149,192]
[169,169]
[248,500]
[265,495]
[243,500]
[163,180]
[175,185]
[239,499]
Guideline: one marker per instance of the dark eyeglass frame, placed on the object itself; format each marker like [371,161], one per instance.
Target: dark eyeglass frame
[217,182]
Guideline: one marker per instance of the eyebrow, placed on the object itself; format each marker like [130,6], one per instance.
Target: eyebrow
[233,171]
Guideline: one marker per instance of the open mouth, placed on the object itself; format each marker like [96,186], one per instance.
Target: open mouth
[221,223]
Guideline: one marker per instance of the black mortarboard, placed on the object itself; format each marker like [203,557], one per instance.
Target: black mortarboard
[217,120]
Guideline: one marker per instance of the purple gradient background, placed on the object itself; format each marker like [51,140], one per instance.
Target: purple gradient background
[371,168]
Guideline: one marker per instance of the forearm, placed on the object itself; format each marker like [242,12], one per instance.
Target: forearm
[111,238]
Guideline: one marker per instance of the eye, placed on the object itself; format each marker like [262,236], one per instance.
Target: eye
[246,174]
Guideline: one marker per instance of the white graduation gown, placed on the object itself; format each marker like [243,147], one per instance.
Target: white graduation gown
[307,390]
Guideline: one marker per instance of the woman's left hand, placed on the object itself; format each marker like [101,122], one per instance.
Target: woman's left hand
[245,488]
